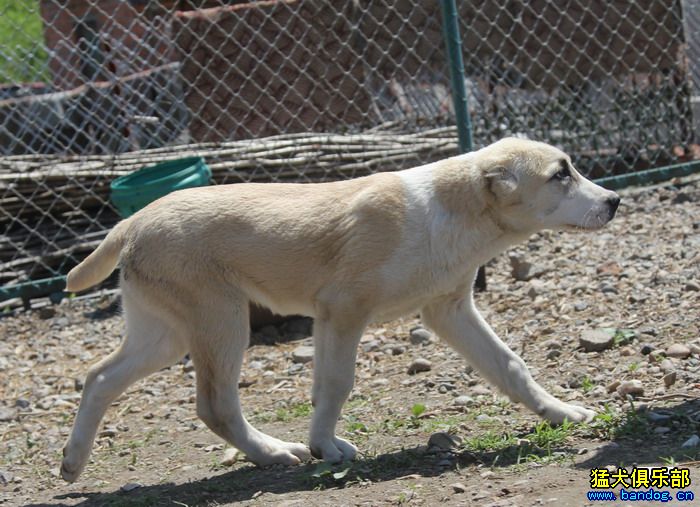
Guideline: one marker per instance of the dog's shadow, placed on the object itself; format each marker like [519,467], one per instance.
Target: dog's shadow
[248,482]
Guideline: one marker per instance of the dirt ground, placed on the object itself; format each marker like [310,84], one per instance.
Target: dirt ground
[638,280]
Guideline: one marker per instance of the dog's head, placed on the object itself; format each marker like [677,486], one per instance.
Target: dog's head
[534,186]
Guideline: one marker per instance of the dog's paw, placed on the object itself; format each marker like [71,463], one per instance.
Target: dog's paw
[556,414]
[278,452]
[71,468]
[334,450]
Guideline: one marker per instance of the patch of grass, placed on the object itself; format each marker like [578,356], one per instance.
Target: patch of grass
[633,366]
[587,384]
[547,436]
[294,411]
[490,441]
[611,425]
[353,425]
[22,52]
[417,409]
[623,337]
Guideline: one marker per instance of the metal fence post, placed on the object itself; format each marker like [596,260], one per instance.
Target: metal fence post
[453,44]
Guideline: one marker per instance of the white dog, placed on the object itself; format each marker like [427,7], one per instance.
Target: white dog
[345,253]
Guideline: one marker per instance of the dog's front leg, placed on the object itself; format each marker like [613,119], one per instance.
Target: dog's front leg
[458,322]
[334,375]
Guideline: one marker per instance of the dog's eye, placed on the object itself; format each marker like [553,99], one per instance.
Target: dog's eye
[563,173]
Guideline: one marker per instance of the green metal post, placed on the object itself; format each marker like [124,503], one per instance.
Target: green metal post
[453,43]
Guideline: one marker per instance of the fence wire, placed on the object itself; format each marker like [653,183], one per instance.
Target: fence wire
[314,90]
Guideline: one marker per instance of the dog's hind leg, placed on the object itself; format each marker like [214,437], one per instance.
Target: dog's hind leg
[149,345]
[456,320]
[334,375]
[217,351]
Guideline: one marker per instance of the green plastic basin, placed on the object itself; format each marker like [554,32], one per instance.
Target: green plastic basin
[132,192]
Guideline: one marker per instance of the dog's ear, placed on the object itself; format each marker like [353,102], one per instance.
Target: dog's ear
[501,181]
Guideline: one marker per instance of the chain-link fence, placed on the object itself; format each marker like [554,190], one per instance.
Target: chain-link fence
[313,90]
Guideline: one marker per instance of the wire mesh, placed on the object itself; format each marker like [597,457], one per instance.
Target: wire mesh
[314,90]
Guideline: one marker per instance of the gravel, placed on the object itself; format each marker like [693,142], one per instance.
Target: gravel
[632,275]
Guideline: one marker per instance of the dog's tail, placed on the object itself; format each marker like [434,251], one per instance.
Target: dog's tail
[99,264]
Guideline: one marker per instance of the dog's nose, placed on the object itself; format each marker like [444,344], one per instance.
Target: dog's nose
[613,202]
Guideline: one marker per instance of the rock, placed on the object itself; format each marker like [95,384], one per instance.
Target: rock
[666,366]
[658,417]
[692,286]
[6,477]
[553,354]
[419,365]
[661,430]
[580,306]
[483,418]
[626,351]
[458,487]
[7,414]
[609,268]
[230,456]
[612,386]
[463,401]
[481,391]
[647,349]
[371,346]
[631,388]
[670,379]
[444,441]
[303,354]
[130,486]
[678,350]
[420,336]
[108,433]
[520,268]
[552,345]
[596,340]
[691,442]
[22,403]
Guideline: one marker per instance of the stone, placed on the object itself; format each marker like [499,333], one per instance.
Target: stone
[612,386]
[666,366]
[420,336]
[631,388]
[647,349]
[626,351]
[692,286]
[481,391]
[458,487]
[419,365]
[691,442]
[130,486]
[443,440]
[230,456]
[303,354]
[596,340]
[670,379]
[371,346]
[7,414]
[463,401]
[22,403]
[658,416]
[678,350]
[520,268]
[611,268]
[6,477]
